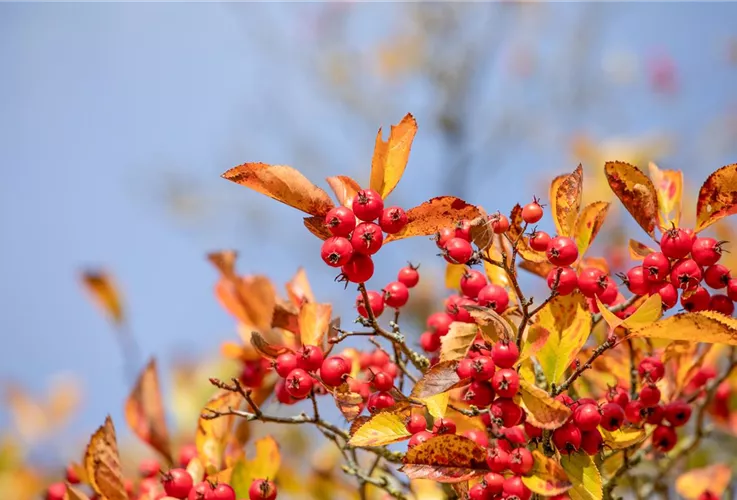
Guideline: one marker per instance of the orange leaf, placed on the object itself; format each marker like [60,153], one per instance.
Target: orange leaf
[639,251]
[390,157]
[717,197]
[314,321]
[316,225]
[440,378]
[542,410]
[547,476]
[224,261]
[565,200]
[144,412]
[541,269]
[589,223]
[384,428]
[714,478]
[345,189]
[283,184]
[299,289]
[212,434]
[669,186]
[102,463]
[636,192]
[433,215]
[286,316]
[597,262]
[73,493]
[104,292]
[447,458]
[265,348]
[453,275]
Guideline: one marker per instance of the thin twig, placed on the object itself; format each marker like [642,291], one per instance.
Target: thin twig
[608,344]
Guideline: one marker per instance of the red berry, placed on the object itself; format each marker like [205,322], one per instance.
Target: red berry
[649,396]
[334,370]
[656,267]
[480,368]
[721,303]
[309,358]
[497,459]
[532,212]
[376,303]
[253,372]
[707,495]
[499,223]
[539,241]
[336,251]
[458,312]
[379,401]
[472,282]
[717,276]
[285,363]
[298,383]
[562,251]
[458,251]
[443,425]
[592,442]
[494,482]
[505,383]
[282,395]
[664,438]
[200,491]
[520,461]
[587,417]
[566,278]
[636,280]
[635,412]
[504,354]
[439,323]
[380,359]
[221,491]
[56,491]
[382,381]
[420,438]
[367,238]
[609,296]
[409,276]
[262,489]
[430,341]
[506,412]
[479,394]
[592,281]
[686,274]
[567,438]
[668,294]
[706,251]
[651,369]
[340,221]
[177,483]
[416,423]
[514,487]
[477,436]
[463,230]
[732,289]
[443,236]
[495,297]
[393,220]
[696,300]
[479,492]
[359,269]
[396,294]
[677,413]
[675,243]
[612,416]
[71,475]
[532,431]
[149,467]
[618,395]
[368,205]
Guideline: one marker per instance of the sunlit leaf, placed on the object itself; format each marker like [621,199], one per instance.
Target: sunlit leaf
[196,470]
[542,410]
[584,476]
[547,476]
[314,320]
[565,200]
[636,192]
[639,251]
[448,458]
[705,326]
[589,223]
[104,291]
[212,434]
[299,289]
[424,489]
[535,339]
[622,438]
[345,189]
[714,478]
[433,215]
[440,378]
[493,326]
[437,405]
[650,311]
[455,344]
[265,348]
[717,197]
[381,429]
[102,463]
[453,275]
[284,184]
[390,157]
[541,269]
[264,465]
[669,186]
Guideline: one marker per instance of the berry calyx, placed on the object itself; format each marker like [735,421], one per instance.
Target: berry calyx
[309,358]
[497,459]
[505,412]
[520,461]
[379,401]
[375,302]
[636,280]
[562,251]
[664,438]
[409,276]
[612,416]
[480,368]
[368,205]
[396,294]
[677,413]
[493,296]
[656,267]
[505,382]
[567,438]
[562,280]
[686,274]
[444,425]
[675,243]
[592,281]
[340,221]
[499,223]
[393,220]
[336,251]
[539,241]
[298,383]
[262,489]
[479,394]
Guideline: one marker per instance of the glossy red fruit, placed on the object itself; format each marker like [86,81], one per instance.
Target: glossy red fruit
[708,495]
[654,414]
[592,281]
[221,491]
[177,483]
[636,280]
[587,417]
[514,487]
[443,236]
[479,368]
[409,276]
[732,289]
[532,212]
[721,303]
[635,412]
[677,413]
[375,302]
[612,416]
[592,442]
[505,412]
[298,383]
[479,492]
[520,461]
[368,205]
[472,282]
[71,475]
[149,467]
[334,370]
[618,395]
[539,241]
[310,357]
[664,438]
[494,482]
[416,423]
[696,300]
[533,432]
[457,310]
[282,395]
[457,251]
[444,425]
[359,269]
[380,359]
[439,323]
[477,436]
[686,274]
[499,223]
[463,230]
[396,294]
[367,238]
[649,395]
[495,297]
[497,459]
[567,438]
[419,438]
[285,363]
[668,294]
[651,369]
[393,220]
[262,489]
[200,491]
[505,382]
[504,354]
[336,251]
[675,243]
[609,295]
[430,341]
[379,401]
[706,251]
[340,221]
[56,491]
[563,280]
[562,251]
[717,276]
[656,267]
[479,394]
[382,381]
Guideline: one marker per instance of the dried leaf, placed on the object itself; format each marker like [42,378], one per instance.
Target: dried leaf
[622,438]
[345,189]
[714,478]
[314,320]
[349,403]
[481,234]
[717,197]
[102,288]
[516,226]
[316,225]
[705,326]
[669,186]
[493,326]
[390,157]
[461,489]
[250,299]
[542,410]
[212,435]
[547,477]
[381,429]
[102,463]
[433,215]
[284,184]
[286,316]
[565,200]
[455,344]
[144,412]
[589,223]
[584,476]
[264,465]
[636,192]
[441,377]
[448,458]
[267,350]
[541,269]
[639,251]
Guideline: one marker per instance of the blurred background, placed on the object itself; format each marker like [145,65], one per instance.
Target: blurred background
[116,121]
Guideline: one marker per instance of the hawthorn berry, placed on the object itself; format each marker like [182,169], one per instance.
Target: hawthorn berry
[567,438]
[618,395]
[379,401]
[393,220]
[609,295]
[562,280]
[360,387]
[479,394]
[477,436]
[457,311]
[463,230]
[562,251]
[368,205]
[592,281]
[376,303]
[309,358]
[285,363]
[253,372]
[221,491]
[340,221]
[668,294]
[686,274]
[382,381]
[505,383]
[649,395]
[664,438]
[298,383]
[708,495]
[494,482]
[262,489]
[479,492]
[514,487]
[419,438]
[443,236]
[591,441]
[651,369]
[654,414]
[430,341]
[635,412]
[520,461]
[359,269]
[367,238]
[497,459]
[506,412]
[439,323]
[443,425]
[416,423]
[380,358]
[533,432]
[472,282]
[612,416]
[539,241]
[493,296]
[499,223]
[334,370]
[149,467]
[409,276]
[706,251]
[396,294]
[282,395]
[717,276]
[336,251]
[177,483]
[56,491]
[675,243]
[721,303]
[696,300]
[200,491]
[587,417]
[504,354]
[457,251]
[677,413]
[71,475]
[732,289]
[656,267]
[636,280]
[532,212]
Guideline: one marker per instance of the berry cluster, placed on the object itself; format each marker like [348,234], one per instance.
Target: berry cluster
[395,294]
[357,236]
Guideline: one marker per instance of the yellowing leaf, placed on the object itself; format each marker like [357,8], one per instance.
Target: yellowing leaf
[102,463]
[493,326]
[535,339]
[542,410]
[73,493]
[565,200]
[144,412]
[105,293]
[669,186]
[622,438]
[212,435]
[390,157]
[424,489]
[453,275]
[437,405]
[541,269]
[196,470]
[547,476]
[448,458]
[584,476]
[639,251]
[636,192]
[433,215]
[381,429]
[349,403]
[314,320]
[455,344]
[345,189]
[714,478]
[569,323]
[284,184]
[650,310]
[441,377]
[589,223]
[705,326]
[264,465]
[717,197]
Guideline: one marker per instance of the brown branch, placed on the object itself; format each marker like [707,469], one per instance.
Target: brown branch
[609,343]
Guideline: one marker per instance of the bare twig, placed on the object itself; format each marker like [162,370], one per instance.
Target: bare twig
[608,344]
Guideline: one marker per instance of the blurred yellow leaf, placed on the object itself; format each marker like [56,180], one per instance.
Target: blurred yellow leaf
[381,429]
[314,320]
[264,465]
[636,192]
[424,489]
[299,289]
[212,434]
[434,215]
[717,197]
[705,326]
[102,463]
[647,313]
[583,475]
[669,186]
[390,157]
[547,476]
[639,251]
[453,275]
[102,288]
[714,478]
[622,438]
[565,200]
[588,224]
[542,410]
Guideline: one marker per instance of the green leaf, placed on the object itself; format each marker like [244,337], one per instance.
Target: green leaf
[584,476]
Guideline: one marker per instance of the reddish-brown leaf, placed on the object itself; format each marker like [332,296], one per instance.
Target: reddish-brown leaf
[283,184]
[103,290]
[448,458]
[717,197]
[266,349]
[349,403]
[639,251]
[636,192]
[316,225]
[102,463]
[433,215]
[440,378]
[345,189]
[390,157]
[565,200]
[286,316]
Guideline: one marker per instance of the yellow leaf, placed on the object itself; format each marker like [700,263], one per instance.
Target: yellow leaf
[717,197]
[144,412]
[102,463]
[584,476]
[455,344]
[569,323]
[212,435]
[565,200]
[284,184]
[542,410]
[345,189]
[349,403]
[424,489]
[314,320]
[453,275]
[714,478]
[622,438]
[381,429]
[434,215]
[636,192]
[104,291]
[647,313]
[547,476]
[264,465]
[669,186]
[390,157]
[196,470]
[705,326]
[639,251]
[535,339]
[437,405]
[589,223]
